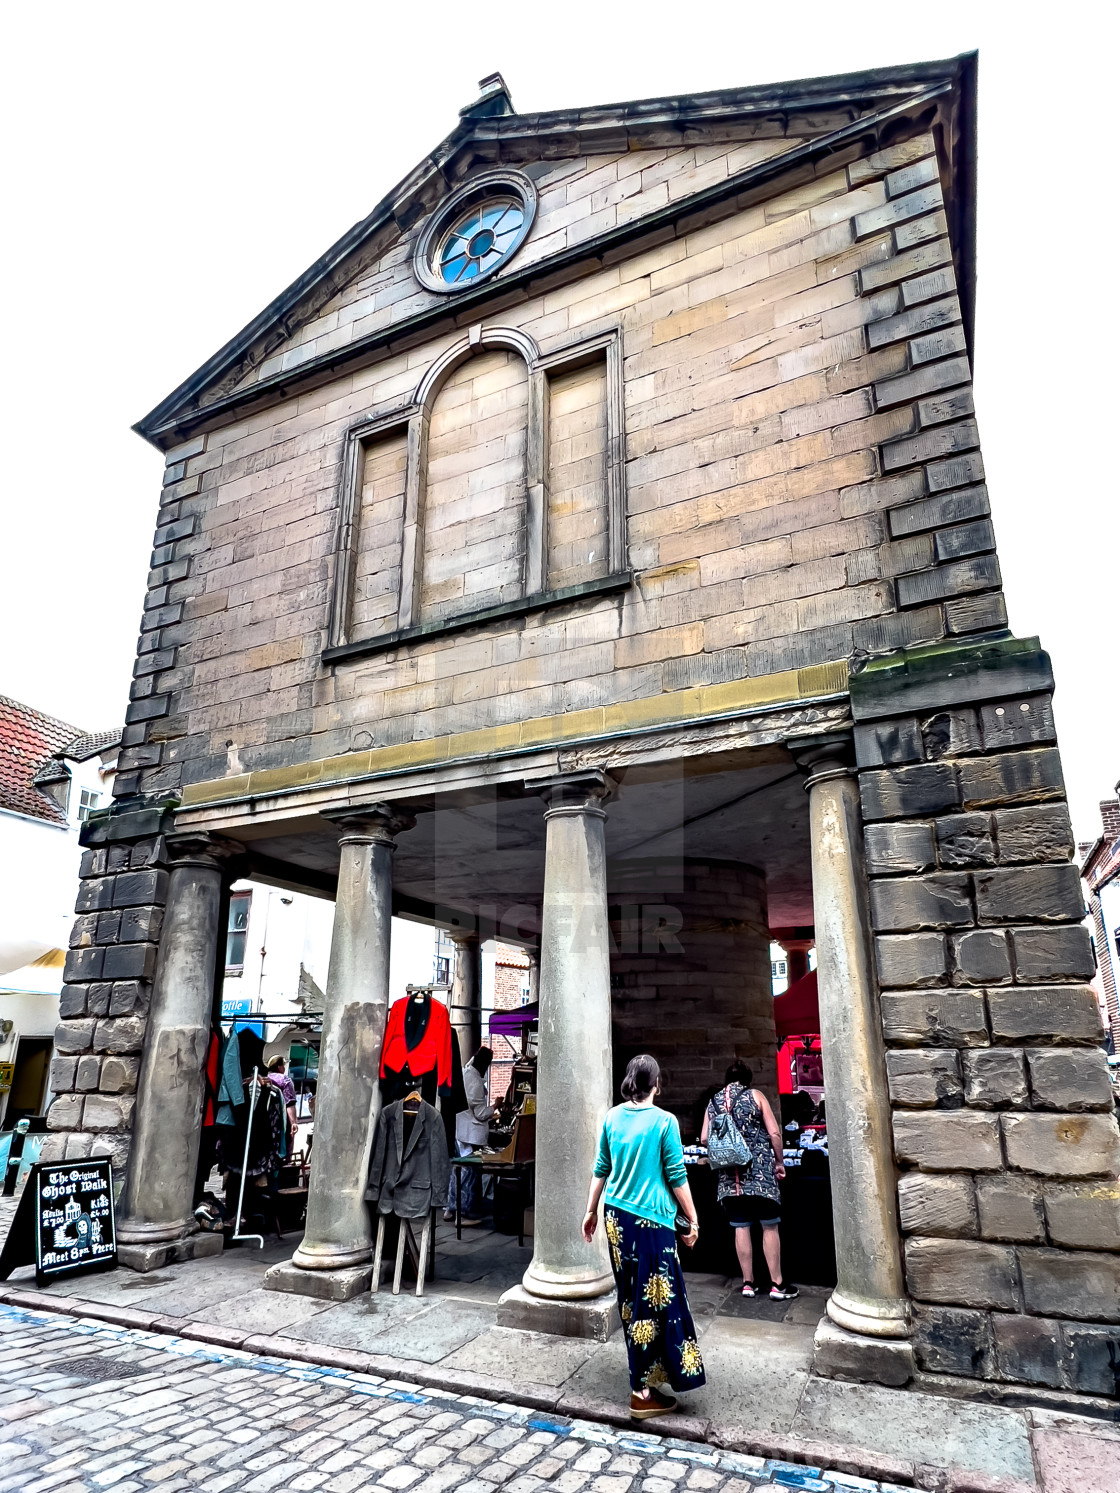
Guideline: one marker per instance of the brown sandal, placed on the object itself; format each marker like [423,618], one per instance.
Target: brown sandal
[657,1404]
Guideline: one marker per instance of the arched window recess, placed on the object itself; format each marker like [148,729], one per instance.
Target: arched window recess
[398,441]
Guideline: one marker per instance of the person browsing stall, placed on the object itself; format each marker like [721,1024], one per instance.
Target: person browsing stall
[472,1131]
[640,1166]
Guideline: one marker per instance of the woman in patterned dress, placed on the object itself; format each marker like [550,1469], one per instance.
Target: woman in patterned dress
[641,1166]
[752,1197]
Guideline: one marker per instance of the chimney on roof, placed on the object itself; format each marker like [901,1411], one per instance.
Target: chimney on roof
[1110,818]
[492,101]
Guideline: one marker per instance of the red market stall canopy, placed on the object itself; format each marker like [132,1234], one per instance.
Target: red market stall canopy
[511,1023]
[796,1012]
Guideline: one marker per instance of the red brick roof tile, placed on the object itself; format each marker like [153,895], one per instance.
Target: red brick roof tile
[28,739]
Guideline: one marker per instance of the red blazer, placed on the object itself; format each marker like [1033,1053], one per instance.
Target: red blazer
[432,1051]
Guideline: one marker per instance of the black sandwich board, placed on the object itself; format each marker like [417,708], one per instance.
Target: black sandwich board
[64,1223]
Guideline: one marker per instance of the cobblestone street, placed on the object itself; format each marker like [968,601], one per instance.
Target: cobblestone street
[88,1407]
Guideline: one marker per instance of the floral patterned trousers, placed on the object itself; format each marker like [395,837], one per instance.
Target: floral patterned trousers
[660,1336]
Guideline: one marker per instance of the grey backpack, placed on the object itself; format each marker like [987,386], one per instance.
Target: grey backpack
[727,1146]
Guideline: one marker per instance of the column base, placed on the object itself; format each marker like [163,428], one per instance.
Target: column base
[154,1256]
[594,1317]
[869,1318]
[840,1354]
[325,1285]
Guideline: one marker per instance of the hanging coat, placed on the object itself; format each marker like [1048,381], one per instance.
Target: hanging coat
[408,1177]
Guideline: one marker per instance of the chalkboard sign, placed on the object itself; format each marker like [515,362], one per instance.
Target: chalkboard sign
[64,1223]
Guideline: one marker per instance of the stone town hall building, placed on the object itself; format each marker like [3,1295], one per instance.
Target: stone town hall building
[593,547]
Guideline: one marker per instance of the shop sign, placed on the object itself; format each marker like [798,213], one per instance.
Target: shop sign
[64,1224]
[7,1073]
[235,1008]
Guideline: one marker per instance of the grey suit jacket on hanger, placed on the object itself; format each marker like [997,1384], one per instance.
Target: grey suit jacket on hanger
[410,1179]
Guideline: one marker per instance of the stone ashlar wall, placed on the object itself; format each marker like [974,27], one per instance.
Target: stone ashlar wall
[690,975]
[1003,1120]
[803,485]
[109,971]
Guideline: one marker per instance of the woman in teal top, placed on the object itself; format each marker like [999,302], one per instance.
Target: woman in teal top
[641,1167]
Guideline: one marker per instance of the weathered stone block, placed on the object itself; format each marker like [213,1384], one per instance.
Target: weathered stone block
[981,958]
[925,1078]
[951,1340]
[1084,1215]
[1040,833]
[962,1272]
[888,743]
[97,1002]
[1069,1283]
[92,864]
[891,848]
[83,931]
[88,1074]
[129,998]
[944,1207]
[995,1078]
[965,840]
[1011,778]
[118,1075]
[120,1034]
[77,1146]
[1064,952]
[105,1112]
[74,1036]
[1069,1078]
[65,1112]
[947,1141]
[1010,1210]
[1028,1349]
[1045,1013]
[133,961]
[138,924]
[1092,1359]
[108,927]
[140,888]
[942,1018]
[950,733]
[95,895]
[911,958]
[965,614]
[83,964]
[1016,894]
[63,1073]
[1014,723]
[909,903]
[1062,1145]
[147,852]
[72,1001]
[909,792]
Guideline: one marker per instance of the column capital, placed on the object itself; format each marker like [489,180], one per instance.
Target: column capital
[377,824]
[461,935]
[575,792]
[200,848]
[824,757]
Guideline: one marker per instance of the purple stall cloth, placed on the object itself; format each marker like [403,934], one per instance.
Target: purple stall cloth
[510,1023]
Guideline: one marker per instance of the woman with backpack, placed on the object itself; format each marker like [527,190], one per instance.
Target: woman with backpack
[641,1166]
[745,1146]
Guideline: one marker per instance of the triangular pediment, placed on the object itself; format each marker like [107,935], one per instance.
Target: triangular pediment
[600,176]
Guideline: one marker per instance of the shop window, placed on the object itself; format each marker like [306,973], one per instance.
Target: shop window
[89,802]
[237,932]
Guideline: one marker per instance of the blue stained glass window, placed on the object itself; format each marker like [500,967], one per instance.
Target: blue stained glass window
[479,241]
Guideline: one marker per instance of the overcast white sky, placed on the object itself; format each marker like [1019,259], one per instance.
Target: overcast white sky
[169,168]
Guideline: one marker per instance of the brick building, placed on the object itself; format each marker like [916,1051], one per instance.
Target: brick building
[592,550]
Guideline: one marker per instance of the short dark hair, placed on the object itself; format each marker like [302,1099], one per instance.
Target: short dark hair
[642,1076]
[482,1059]
[739,1072]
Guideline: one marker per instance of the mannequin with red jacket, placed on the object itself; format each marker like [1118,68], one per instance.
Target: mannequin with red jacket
[419,1051]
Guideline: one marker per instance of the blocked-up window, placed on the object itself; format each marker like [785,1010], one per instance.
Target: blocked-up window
[473,545]
[376,545]
[578,546]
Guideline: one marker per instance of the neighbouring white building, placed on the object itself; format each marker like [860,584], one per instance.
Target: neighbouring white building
[1100,872]
[52,776]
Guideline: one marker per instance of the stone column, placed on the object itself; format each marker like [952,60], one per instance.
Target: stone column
[155,1222]
[870,1297]
[465,1007]
[332,1259]
[565,1288]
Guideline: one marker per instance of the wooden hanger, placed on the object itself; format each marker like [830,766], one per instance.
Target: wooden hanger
[412,1102]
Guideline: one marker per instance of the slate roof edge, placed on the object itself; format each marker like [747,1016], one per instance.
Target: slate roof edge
[900,85]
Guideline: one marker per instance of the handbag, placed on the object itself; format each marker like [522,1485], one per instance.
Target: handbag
[727,1146]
